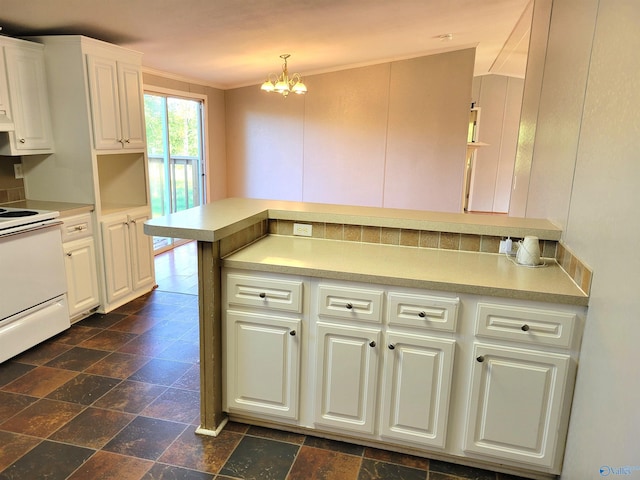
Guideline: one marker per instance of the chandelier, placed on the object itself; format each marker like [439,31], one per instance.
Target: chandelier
[283,84]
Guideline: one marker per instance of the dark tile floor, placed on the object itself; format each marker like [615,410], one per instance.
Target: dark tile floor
[117,397]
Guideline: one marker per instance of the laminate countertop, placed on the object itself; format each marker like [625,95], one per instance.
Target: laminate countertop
[425,268]
[66,209]
[219,219]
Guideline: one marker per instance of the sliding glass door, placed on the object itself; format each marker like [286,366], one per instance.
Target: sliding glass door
[175,149]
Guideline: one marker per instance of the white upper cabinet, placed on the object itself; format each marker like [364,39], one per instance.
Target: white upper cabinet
[5,107]
[24,99]
[116,104]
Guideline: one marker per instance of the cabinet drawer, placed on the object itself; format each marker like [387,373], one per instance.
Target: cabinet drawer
[77,227]
[528,325]
[271,293]
[423,311]
[350,303]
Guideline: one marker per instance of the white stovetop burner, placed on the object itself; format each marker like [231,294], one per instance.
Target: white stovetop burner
[14,219]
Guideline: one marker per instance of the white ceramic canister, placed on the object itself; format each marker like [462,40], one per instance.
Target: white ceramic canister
[528,251]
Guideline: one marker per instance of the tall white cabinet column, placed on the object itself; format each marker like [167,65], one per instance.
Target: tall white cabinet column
[99,132]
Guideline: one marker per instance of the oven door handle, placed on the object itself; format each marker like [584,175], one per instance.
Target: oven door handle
[19,230]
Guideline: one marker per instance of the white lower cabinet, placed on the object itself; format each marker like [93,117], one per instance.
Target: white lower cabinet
[82,277]
[346,376]
[128,256]
[488,383]
[263,334]
[522,378]
[417,375]
[83,293]
[263,364]
[517,398]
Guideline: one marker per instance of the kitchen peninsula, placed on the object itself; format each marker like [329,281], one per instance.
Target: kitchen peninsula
[429,287]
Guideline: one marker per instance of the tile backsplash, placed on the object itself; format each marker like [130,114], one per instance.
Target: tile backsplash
[405,237]
[11,188]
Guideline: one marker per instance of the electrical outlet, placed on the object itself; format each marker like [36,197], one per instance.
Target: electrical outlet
[302,229]
[17,169]
[505,246]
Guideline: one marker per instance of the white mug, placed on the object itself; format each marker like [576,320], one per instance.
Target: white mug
[528,251]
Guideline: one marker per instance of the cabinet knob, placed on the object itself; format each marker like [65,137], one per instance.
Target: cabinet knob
[22,140]
[392,346]
[372,343]
[422,314]
[292,333]
[69,254]
[78,228]
[263,295]
[127,140]
[133,220]
[349,306]
[525,328]
[480,359]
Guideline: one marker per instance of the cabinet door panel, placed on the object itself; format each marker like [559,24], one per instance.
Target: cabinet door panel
[263,364]
[517,397]
[117,259]
[5,106]
[417,384]
[131,105]
[29,101]
[105,103]
[347,368]
[142,253]
[82,277]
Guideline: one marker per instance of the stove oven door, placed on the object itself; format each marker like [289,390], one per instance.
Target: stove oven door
[31,269]
[32,288]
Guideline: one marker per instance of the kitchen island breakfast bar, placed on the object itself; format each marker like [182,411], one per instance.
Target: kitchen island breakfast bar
[319,297]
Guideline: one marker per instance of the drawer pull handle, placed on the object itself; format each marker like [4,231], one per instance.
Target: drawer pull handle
[263,295]
[392,346]
[349,306]
[480,359]
[292,333]
[422,314]
[372,343]
[525,328]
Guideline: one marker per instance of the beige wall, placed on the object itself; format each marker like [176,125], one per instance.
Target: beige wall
[499,99]
[560,106]
[216,144]
[390,135]
[585,174]
[530,101]
[268,128]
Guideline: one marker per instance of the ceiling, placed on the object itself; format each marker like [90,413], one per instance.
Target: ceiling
[233,43]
